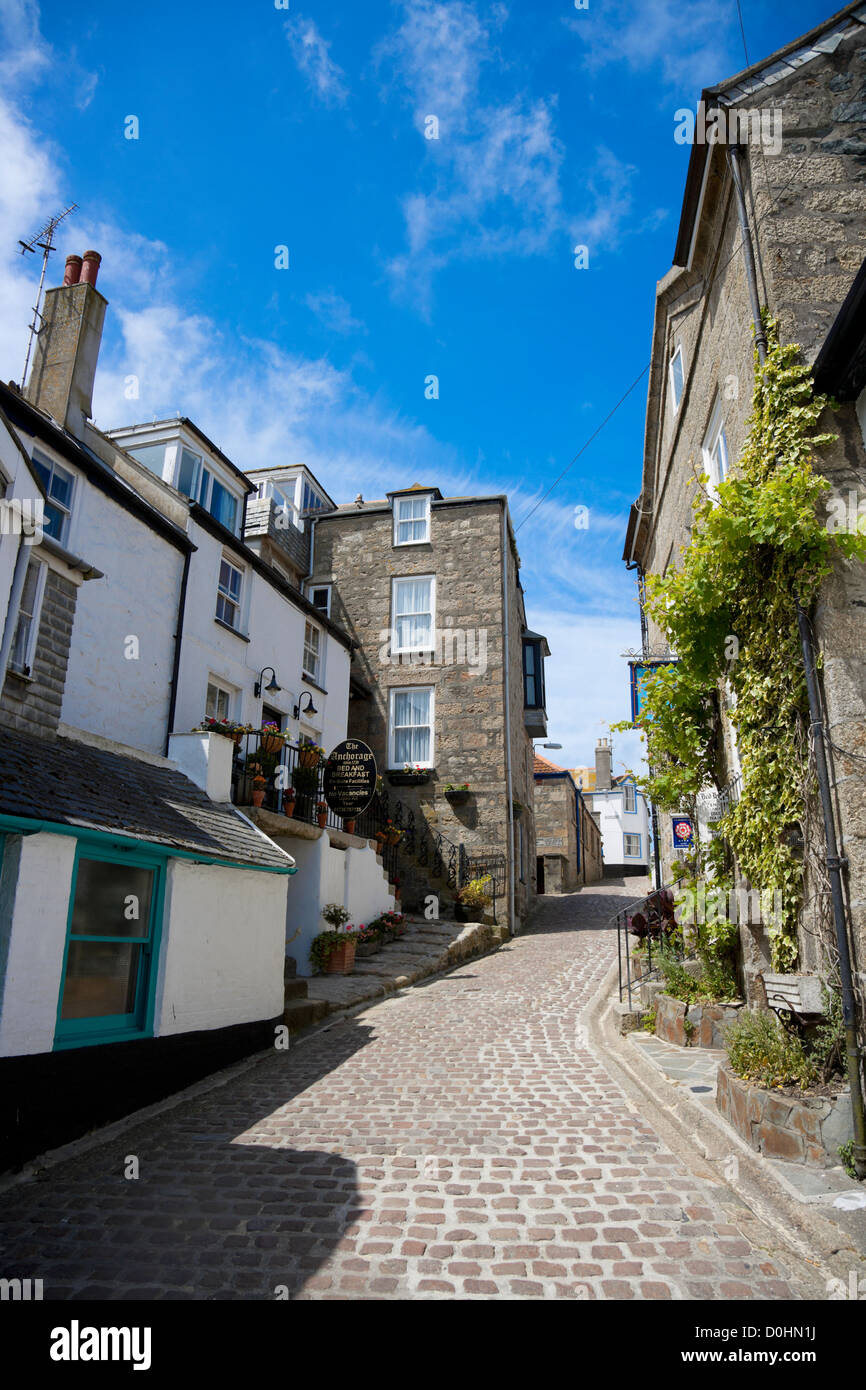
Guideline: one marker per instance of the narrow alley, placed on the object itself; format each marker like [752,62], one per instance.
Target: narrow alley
[458,1140]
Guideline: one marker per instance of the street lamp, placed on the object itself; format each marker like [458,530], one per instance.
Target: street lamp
[311,708]
[272,688]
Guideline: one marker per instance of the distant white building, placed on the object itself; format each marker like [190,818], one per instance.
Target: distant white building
[623,816]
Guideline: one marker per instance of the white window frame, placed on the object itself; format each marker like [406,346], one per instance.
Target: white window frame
[396,649]
[312,589]
[411,497]
[403,690]
[714,436]
[222,689]
[26,667]
[629,793]
[306,673]
[46,460]
[631,835]
[677,353]
[224,594]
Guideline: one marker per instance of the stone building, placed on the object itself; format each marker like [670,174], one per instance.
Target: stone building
[448,679]
[793,241]
[568,837]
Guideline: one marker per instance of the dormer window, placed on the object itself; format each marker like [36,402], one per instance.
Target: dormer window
[411,520]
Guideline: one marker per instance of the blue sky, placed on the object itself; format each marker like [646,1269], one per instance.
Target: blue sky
[408,257]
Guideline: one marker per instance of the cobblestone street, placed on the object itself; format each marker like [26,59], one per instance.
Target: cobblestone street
[459,1140]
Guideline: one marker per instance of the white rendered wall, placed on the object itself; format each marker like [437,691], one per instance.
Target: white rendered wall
[352,877]
[366,889]
[608,806]
[275,629]
[33,912]
[24,489]
[106,693]
[223,943]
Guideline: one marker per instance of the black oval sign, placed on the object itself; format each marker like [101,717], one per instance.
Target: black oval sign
[350,778]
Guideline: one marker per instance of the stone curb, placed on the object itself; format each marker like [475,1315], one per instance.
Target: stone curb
[829,1241]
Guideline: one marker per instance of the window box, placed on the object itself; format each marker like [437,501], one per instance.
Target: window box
[409,779]
[458,796]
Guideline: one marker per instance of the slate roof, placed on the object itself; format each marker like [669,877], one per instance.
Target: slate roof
[72,783]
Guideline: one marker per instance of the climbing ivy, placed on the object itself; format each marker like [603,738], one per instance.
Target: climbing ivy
[728,612]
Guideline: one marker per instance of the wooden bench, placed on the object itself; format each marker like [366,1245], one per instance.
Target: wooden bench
[797,994]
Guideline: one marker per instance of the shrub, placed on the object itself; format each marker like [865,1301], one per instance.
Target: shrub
[761,1049]
[323,946]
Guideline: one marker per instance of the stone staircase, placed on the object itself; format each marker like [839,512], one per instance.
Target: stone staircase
[424,949]
[300,1011]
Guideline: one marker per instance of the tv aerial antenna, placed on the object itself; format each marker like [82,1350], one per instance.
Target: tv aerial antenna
[42,240]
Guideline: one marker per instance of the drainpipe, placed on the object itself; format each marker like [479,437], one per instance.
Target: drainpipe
[311,522]
[577,804]
[178,640]
[506,660]
[833,859]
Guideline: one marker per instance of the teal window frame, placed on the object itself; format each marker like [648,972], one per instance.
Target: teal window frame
[89,1032]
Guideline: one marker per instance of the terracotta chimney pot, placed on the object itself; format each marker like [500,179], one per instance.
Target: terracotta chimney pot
[72,274]
[90,267]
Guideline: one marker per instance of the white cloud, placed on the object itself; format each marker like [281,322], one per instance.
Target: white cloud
[310,52]
[495,167]
[437,54]
[334,313]
[686,46]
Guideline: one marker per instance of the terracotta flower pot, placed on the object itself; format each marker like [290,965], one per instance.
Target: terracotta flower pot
[322,818]
[258,795]
[289,804]
[341,961]
[349,825]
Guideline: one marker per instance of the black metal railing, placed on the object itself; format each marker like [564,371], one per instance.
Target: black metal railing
[267,769]
[439,855]
[650,920]
[287,778]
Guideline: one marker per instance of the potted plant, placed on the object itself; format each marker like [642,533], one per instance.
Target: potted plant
[413,774]
[457,793]
[392,833]
[472,900]
[227,727]
[333,952]
[305,780]
[289,799]
[370,940]
[349,824]
[309,753]
[259,785]
[271,740]
[322,813]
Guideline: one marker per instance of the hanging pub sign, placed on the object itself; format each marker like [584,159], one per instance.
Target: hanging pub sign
[684,833]
[638,672]
[350,778]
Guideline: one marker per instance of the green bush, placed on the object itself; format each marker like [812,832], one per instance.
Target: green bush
[761,1049]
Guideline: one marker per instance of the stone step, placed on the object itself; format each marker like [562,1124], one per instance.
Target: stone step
[301,1013]
[295,988]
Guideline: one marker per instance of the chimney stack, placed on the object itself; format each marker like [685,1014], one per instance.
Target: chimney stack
[67,345]
[603,754]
